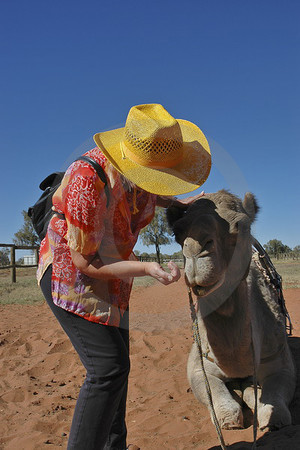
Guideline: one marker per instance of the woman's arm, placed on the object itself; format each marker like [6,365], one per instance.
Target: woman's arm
[93,267]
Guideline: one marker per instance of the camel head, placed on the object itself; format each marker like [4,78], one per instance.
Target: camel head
[215,236]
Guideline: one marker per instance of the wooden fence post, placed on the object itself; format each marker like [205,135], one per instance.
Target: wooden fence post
[13,263]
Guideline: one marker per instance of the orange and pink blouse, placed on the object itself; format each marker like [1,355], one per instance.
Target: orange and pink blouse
[91,226]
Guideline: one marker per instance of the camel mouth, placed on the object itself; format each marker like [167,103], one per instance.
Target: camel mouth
[201,291]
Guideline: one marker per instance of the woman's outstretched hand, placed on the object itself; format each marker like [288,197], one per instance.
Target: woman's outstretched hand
[94,268]
[156,271]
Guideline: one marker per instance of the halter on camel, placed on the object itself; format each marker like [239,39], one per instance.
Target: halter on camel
[269,272]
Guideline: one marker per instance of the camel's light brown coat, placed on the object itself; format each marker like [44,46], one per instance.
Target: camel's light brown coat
[238,312]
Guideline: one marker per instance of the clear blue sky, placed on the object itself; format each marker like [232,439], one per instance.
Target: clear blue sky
[73,68]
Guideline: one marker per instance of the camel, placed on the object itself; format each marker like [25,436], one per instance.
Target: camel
[242,328]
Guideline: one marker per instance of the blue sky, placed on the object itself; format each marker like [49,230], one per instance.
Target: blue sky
[73,68]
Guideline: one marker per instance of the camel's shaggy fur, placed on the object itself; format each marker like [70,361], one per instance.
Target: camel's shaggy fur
[238,312]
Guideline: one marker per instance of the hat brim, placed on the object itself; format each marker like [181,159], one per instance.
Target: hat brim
[186,176]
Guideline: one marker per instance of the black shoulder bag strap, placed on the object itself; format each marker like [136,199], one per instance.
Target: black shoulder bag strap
[100,173]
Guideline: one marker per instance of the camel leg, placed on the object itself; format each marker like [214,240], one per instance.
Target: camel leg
[277,392]
[228,411]
[248,393]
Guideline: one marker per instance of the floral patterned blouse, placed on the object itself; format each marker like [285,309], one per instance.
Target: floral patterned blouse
[90,226]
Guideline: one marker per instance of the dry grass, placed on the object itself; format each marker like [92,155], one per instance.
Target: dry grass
[26,291]
[290,272]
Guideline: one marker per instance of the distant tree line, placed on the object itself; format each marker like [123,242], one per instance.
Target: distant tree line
[278,250]
[5,257]
[25,236]
[163,256]
[157,233]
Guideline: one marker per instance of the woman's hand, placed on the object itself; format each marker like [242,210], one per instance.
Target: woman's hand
[156,271]
[192,199]
[166,202]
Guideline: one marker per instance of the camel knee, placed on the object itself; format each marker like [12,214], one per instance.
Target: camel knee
[273,417]
[228,411]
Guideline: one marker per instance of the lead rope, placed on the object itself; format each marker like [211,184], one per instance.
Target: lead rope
[255,394]
[197,339]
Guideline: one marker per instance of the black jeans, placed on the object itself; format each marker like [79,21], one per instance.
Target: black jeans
[99,416]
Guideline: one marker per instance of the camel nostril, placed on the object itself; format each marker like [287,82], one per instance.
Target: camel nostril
[209,244]
[207,248]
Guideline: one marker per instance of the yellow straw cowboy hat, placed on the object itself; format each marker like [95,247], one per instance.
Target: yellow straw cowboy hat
[158,153]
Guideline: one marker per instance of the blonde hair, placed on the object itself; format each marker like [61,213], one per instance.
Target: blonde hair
[112,175]
[128,185]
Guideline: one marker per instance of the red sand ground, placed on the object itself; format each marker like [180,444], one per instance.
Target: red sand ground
[40,376]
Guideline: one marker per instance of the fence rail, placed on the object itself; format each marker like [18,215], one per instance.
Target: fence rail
[13,265]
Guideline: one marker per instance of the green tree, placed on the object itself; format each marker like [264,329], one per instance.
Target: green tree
[4,257]
[287,249]
[276,247]
[26,235]
[157,233]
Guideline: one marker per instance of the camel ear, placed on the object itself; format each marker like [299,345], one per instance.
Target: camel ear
[174,214]
[250,206]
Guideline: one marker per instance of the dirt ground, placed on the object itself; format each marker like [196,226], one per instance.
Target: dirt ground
[40,376]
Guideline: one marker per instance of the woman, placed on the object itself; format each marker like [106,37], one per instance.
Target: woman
[86,262]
